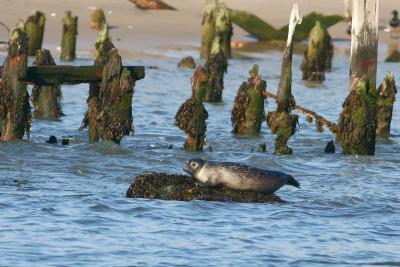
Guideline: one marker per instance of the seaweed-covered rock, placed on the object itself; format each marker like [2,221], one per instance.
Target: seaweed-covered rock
[186,188]
[187,63]
[393,57]
[248,108]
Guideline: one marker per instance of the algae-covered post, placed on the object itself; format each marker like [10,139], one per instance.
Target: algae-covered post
[103,48]
[248,108]
[69,33]
[357,123]
[46,99]
[216,67]
[34,28]
[98,19]
[15,110]
[192,115]
[318,55]
[208,24]
[282,122]
[386,97]
[115,104]
[223,30]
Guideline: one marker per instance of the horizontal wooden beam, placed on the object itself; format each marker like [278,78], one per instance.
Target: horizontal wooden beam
[47,75]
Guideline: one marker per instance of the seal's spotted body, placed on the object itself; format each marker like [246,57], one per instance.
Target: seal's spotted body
[238,176]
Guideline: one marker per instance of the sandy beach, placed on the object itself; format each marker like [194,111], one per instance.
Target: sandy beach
[140,34]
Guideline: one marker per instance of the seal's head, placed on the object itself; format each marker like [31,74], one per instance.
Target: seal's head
[193,166]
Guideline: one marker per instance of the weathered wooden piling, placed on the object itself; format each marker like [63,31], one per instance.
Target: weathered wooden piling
[386,97]
[46,99]
[103,47]
[357,123]
[192,115]
[69,33]
[185,188]
[15,110]
[115,100]
[34,28]
[216,67]
[248,107]
[318,55]
[98,19]
[281,122]
[223,30]
[208,24]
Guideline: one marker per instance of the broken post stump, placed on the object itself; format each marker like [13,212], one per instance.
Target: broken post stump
[386,97]
[185,188]
[281,122]
[187,63]
[103,47]
[115,100]
[208,28]
[223,30]
[98,19]
[357,122]
[318,55]
[192,115]
[69,33]
[34,28]
[15,110]
[216,67]
[248,107]
[46,99]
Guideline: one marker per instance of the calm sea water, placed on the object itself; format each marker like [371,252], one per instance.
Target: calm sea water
[66,205]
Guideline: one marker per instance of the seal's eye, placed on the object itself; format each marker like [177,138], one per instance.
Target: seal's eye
[193,164]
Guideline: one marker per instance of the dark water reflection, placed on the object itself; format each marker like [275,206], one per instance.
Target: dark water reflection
[66,205]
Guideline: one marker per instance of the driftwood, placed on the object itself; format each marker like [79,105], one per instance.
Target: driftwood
[185,188]
[34,28]
[152,4]
[69,33]
[357,123]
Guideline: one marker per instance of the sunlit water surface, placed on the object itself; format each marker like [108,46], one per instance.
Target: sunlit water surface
[66,205]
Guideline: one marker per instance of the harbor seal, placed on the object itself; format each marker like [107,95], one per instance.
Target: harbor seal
[238,176]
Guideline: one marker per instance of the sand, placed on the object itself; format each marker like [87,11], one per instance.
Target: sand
[143,34]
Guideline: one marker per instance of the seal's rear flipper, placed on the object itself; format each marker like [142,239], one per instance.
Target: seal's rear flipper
[293,182]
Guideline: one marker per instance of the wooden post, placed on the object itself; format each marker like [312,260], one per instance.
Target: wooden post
[386,97]
[68,42]
[208,31]
[357,123]
[15,111]
[248,108]
[192,115]
[282,122]
[46,99]
[115,100]
[98,19]
[103,48]
[347,10]
[318,55]
[223,30]
[34,28]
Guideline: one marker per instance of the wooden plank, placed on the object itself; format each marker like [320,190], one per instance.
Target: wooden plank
[48,75]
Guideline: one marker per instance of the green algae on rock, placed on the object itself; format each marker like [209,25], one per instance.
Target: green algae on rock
[46,99]
[318,55]
[69,33]
[15,110]
[386,97]
[187,63]
[186,188]
[34,28]
[192,115]
[248,109]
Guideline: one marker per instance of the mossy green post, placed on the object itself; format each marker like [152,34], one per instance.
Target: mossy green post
[386,97]
[208,28]
[223,30]
[15,110]
[98,19]
[318,55]
[281,122]
[103,47]
[68,41]
[46,99]
[357,122]
[34,28]
[191,116]
[248,108]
